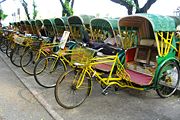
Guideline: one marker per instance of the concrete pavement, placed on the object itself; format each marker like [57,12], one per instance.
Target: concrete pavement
[16,102]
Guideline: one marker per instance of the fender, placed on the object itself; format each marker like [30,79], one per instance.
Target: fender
[173,59]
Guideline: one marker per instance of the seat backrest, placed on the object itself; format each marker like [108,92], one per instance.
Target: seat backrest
[147,42]
[143,51]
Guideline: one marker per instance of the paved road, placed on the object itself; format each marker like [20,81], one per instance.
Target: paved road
[126,104]
[16,102]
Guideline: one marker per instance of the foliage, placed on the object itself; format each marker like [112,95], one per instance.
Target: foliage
[67,8]
[130,4]
[2,15]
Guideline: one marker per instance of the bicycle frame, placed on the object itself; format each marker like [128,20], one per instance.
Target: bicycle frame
[122,80]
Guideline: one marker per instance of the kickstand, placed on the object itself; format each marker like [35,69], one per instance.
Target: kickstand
[104,92]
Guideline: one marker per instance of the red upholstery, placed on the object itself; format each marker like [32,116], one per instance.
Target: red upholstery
[139,78]
[130,53]
[103,67]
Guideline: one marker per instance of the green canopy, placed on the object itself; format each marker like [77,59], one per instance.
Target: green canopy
[22,22]
[158,22]
[176,19]
[59,22]
[79,26]
[104,23]
[38,25]
[28,27]
[87,18]
[65,20]
[49,28]
[27,22]
[22,26]
[33,24]
[80,20]
[59,26]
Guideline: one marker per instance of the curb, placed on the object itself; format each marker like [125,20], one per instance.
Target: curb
[38,97]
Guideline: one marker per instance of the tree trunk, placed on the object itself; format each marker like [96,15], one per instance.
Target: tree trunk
[24,4]
[129,7]
[146,7]
[135,4]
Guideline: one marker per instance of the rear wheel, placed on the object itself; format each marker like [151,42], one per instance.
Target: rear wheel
[66,92]
[46,71]
[168,80]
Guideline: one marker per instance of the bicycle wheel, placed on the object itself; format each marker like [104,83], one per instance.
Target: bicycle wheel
[28,60]
[67,94]
[3,45]
[47,69]
[16,55]
[168,79]
[9,49]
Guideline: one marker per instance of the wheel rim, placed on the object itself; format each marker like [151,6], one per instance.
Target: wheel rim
[66,93]
[47,71]
[168,79]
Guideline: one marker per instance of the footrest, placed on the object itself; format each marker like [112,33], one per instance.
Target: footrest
[139,78]
[103,67]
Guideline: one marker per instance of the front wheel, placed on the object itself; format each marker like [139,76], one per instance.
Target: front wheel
[168,80]
[16,54]
[67,94]
[27,61]
[47,69]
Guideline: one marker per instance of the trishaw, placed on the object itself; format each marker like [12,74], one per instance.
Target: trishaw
[40,47]
[52,66]
[148,46]
[55,64]
[29,29]
[104,32]
[19,38]
[103,28]
[59,25]
[34,28]
[79,27]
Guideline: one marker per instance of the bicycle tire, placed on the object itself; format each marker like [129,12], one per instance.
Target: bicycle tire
[3,45]
[16,54]
[168,80]
[47,69]
[65,87]
[9,49]
[27,61]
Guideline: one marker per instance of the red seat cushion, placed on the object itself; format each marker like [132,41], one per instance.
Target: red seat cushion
[139,78]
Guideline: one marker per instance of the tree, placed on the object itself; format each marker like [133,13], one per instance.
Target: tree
[25,5]
[130,4]
[2,15]
[34,10]
[67,8]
